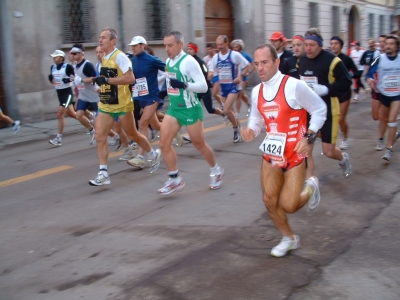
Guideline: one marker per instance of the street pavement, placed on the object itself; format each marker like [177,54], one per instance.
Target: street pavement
[62,239]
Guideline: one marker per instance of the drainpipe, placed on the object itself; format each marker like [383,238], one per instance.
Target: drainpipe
[121,25]
[191,37]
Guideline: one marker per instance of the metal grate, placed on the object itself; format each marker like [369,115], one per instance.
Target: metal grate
[313,7]
[77,21]
[157,24]
[371,25]
[335,20]
[287,18]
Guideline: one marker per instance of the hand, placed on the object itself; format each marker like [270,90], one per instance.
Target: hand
[247,134]
[177,84]
[303,147]
[237,80]
[78,80]
[321,90]
[66,80]
[51,78]
[100,80]
[371,84]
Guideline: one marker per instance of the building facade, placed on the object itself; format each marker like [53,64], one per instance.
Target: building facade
[32,30]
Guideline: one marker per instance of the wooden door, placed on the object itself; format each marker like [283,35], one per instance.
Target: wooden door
[219,20]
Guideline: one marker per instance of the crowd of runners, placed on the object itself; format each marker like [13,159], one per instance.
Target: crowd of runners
[303,95]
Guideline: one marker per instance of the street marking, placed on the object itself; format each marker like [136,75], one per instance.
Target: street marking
[33,175]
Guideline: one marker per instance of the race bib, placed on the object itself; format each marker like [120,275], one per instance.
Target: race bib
[80,85]
[391,83]
[310,81]
[170,89]
[225,75]
[57,80]
[274,144]
[140,88]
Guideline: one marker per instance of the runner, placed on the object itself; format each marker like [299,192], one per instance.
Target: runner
[184,80]
[387,67]
[227,63]
[145,91]
[60,77]
[213,77]
[88,96]
[279,41]
[344,98]
[291,65]
[328,77]
[115,79]
[238,45]
[356,55]
[7,119]
[282,103]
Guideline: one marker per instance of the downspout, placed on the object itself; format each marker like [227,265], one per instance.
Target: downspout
[191,37]
[121,25]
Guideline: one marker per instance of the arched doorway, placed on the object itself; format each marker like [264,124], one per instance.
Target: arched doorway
[219,20]
[353,25]
[2,97]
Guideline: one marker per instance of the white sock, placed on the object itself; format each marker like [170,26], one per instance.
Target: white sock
[215,169]
[152,154]
[59,135]
[103,170]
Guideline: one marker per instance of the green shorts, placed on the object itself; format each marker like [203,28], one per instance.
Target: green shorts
[114,115]
[186,116]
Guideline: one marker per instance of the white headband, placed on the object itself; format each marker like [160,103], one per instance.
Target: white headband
[75,49]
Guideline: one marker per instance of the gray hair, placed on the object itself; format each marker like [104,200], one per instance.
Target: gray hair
[177,35]
[113,33]
[314,31]
[238,42]
[272,50]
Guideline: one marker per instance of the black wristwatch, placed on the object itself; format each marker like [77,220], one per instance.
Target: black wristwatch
[310,138]
[186,85]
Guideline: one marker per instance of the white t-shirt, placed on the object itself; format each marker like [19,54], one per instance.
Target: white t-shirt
[356,56]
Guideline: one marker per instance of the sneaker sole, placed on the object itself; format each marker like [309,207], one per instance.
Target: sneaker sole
[135,166]
[179,187]
[58,145]
[104,183]
[217,187]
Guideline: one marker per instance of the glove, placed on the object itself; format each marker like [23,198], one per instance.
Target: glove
[321,90]
[66,80]
[78,80]
[177,84]
[351,75]
[100,80]
[51,77]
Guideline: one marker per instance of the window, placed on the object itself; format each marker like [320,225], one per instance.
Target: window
[313,8]
[381,24]
[156,11]
[287,17]
[371,24]
[77,21]
[335,20]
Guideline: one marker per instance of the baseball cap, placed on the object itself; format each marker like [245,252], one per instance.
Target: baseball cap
[58,53]
[355,42]
[137,40]
[277,35]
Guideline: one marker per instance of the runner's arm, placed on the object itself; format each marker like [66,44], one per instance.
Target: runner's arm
[191,67]
[256,120]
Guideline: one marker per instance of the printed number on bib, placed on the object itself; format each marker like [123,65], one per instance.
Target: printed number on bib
[170,89]
[274,144]
[391,83]
[140,88]
[225,75]
[80,86]
[57,80]
[310,80]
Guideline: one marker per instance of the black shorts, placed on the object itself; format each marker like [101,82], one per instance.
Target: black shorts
[65,97]
[329,130]
[386,100]
[375,95]
[345,97]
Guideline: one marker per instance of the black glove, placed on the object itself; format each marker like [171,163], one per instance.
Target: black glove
[66,80]
[100,80]
[177,84]
[51,77]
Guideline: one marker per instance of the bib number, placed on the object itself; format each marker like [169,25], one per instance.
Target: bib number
[225,75]
[140,88]
[391,83]
[274,144]
[311,81]
[57,80]
[170,89]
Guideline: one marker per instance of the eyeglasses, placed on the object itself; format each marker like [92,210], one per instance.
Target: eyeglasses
[74,53]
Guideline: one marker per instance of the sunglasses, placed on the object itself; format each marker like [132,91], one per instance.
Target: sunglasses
[74,53]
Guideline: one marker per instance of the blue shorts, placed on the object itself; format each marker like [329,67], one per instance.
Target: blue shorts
[84,105]
[227,89]
[143,103]
[214,79]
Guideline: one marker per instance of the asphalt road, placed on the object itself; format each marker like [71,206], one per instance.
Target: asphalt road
[63,239]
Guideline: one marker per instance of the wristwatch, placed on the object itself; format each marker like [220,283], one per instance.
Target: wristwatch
[186,85]
[310,137]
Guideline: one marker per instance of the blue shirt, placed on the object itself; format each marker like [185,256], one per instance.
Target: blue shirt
[147,66]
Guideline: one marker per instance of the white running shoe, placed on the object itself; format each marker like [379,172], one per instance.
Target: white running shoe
[355,98]
[133,145]
[172,185]
[186,138]
[286,244]
[346,166]
[137,162]
[388,155]
[179,139]
[56,141]
[345,144]
[315,196]
[236,136]
[100,180]
[226,119]
[114,141]
[128,154]
[17,126]
[155,162]
[380,146]
[216,179]
[248,110]
[93,139]
[92,116]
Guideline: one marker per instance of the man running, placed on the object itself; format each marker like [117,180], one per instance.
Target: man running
[291,65]
[387,67]
[279,41]
[228,63]
[184,80]
[281,103]
[145,91]
[213,76]
[356,55]
[7,119]
[60,77]
[115,79]
[326,74]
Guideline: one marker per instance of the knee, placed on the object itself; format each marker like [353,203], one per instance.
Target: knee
[100,137]
[60,115]
[329,153]
[289,207]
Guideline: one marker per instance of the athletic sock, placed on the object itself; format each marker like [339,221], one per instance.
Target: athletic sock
[215,169]
[103,170]
[152,154]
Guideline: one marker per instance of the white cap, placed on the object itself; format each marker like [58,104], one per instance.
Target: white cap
[137,40]
[58,53]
